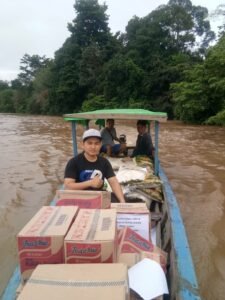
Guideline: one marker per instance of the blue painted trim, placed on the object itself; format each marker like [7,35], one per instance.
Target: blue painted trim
[74,138]
[156,156]
[13,284]
[188,286]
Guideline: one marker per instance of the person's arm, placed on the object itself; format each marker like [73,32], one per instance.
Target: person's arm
[116,188]
[114,135]
[71,184]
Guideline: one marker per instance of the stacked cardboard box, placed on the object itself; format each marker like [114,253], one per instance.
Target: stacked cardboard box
[80,281]
[92,237]
[83,199]
[136,216]
[69,245]
[132,248]
[41,240]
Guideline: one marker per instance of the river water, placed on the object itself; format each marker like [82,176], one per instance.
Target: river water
[33,154]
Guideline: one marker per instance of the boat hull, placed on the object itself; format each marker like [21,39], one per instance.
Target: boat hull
[181,273]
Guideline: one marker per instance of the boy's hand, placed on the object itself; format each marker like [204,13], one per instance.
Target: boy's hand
[96,182]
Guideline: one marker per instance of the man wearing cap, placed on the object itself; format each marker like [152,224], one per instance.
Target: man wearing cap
[88,170]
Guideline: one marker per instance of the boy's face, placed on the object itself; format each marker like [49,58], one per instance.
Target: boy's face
[141,129]
[92,146]
[110,123]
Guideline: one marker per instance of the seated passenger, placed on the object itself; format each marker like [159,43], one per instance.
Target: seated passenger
[144,144]
[108,137]
[88,170]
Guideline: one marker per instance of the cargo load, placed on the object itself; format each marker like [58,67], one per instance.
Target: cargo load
[92,237]
[41,240]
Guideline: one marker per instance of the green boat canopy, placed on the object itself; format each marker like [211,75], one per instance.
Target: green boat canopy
[117,114]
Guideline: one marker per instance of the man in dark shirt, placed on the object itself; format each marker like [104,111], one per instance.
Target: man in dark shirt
[88,170]
[144,144]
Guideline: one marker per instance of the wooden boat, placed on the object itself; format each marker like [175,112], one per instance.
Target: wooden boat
[171,235]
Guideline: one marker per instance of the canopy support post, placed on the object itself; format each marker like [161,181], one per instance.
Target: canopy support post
[74,138]
[156,154]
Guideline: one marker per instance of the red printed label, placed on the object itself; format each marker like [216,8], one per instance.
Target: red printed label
[132,242]
[88,250]
[29,243]
[81,203]
[29,259]
[45,214]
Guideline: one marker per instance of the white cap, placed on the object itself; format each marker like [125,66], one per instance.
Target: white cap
[91,133]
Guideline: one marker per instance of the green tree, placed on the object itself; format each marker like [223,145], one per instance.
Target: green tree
[30,66]
[90,66]
[38,103]
[123,80]
[3,85]
[202,93]
[79,63]
[22,86]
[6,101]
[218,119]
[164,44]
[95,102]
[65,94]
[191,104]
[91,23]
[189,22]
[168,30]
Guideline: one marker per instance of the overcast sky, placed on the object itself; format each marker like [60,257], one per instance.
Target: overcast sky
[40,26]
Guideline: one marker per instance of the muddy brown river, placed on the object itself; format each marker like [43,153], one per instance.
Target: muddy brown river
[33,154]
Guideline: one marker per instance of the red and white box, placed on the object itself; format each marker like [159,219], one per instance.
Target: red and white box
[135,216]
[132,248]
[92,237]
[41,240]
[132,242]
[83,199]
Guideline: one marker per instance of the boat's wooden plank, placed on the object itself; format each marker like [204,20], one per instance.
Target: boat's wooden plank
[166,233]
[158,228]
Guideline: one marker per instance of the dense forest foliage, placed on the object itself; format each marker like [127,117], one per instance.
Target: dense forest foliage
[164,61]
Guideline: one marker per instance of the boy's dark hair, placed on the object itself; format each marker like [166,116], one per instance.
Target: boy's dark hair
[108,120]
[142,122]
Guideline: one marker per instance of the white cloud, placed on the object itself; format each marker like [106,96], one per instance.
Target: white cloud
[8,75]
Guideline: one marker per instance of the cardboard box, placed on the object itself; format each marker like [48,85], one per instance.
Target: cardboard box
[41,240]
[137,207]
[80,281]
[83,199]
[132,248]
[130,259]
[19,289]
[133,215]
[92,237]
[132,242]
